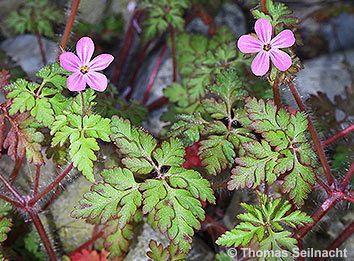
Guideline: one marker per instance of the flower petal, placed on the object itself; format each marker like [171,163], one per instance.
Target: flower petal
[97,81]
[70,62]
[260,64]
[280,59]
[76,82]
[249,44]
[84,49]
[283,40]
[100,62]
[263,29]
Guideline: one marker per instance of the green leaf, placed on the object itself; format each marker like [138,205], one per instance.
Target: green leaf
[216,153]
[135,143]
[171,153]
[5,227]
[118,197]
[116,239]
[43,111]
[97,127]
[157,252]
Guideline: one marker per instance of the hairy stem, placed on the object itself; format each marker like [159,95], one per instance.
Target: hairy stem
[12,189]
[56,182]
[346,178]
[40,44]
[126,47]
[173,46]
[320,212]
[264,6]
[15,170]
[338,135]
[276,94]
[136,70]
[13,202]
[154,74]
[69,25]
[36,181]
[314,136]
[43,235]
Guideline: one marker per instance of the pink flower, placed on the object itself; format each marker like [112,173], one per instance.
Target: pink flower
[267,47]
[84,70]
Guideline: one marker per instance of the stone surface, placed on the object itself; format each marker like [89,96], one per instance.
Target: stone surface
[24,50]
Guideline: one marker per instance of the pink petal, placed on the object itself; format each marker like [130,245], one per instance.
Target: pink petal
[84,49]
[263,29]
[283,40]
[97,81]
[100,62]
[70,62]
[260,64]
[280,59]
[76,82]
[249,44]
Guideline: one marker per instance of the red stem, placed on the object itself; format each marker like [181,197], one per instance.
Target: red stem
[153,75]
[41,49]
[346,178]
[340,239]
[56,182]
[43,235]
[320,212]
[13,202]
[173,46]
[136,69]
[157,103]
[276,94]
[69,25]
[12,189]
[338,135]
[87,243]
[126,47]
[314,136]
[36,182]
[15,170]
[264,6]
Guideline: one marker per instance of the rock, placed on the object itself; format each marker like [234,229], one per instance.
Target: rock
[145,233]
[327,73]
[86,7]
[230,15]
[24,50]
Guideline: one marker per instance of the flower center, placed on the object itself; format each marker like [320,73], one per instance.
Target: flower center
[84,69]
[266,47]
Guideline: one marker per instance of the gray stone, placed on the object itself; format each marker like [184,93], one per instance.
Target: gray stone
[328,73]
[24,50]
[86,8]
[230,15]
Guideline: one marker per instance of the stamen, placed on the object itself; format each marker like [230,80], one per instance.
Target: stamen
[84,69]
[267,47]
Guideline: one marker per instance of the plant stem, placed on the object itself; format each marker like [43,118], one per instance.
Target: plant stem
[69,25]
[340,239]
[338,135]
[13,202]
[136,70]
[40,44]
[276,94]
[154,74]
[12,189]
[15,170]
[45,191]
[157,103]
[173,46]
[87,243]
[126,47]
[320,212]
[314,136]
[82,103]
[346,178]
[36,181]
[43,235]
[264,6]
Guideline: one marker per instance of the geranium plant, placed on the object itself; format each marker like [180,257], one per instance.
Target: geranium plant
[222,131]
